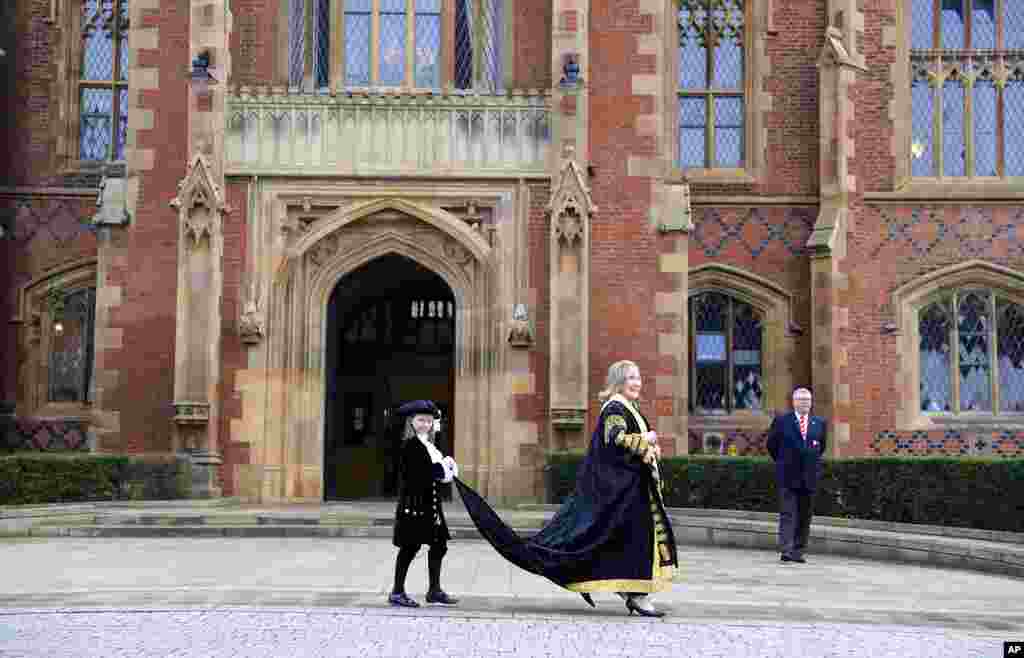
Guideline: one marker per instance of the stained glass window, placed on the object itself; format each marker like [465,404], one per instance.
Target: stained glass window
[711,83]
[103,81]
[967,88]
[71,346]
[725,354]
[398,43]
[971,350]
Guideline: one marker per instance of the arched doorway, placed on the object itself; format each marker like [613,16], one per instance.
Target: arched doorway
[390,338]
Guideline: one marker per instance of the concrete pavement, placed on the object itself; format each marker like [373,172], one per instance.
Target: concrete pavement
[302,596]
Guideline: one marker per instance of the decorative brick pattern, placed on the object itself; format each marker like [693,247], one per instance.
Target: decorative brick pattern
[991,443]
[755,230]
[46,435]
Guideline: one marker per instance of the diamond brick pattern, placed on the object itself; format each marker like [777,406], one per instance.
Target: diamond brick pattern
[994,443]
[45,435]
[974,234]
[754,230]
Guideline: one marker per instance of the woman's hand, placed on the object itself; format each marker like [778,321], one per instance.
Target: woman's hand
[652,437]
[652,454]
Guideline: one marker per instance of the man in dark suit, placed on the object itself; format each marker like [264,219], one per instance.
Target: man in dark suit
[796,441]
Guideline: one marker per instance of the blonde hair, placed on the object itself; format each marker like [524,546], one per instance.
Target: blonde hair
[409,431]
[617,373]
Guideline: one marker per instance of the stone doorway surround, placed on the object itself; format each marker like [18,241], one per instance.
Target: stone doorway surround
[303,239]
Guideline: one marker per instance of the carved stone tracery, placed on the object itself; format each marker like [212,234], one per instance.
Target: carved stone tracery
[571,204]
[199,202]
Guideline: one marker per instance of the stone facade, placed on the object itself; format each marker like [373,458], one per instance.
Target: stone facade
[555,211]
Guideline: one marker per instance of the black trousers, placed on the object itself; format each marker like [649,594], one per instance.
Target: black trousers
[794,520]
[405,557]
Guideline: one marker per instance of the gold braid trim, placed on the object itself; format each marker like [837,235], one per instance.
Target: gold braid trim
[611,424]
[635,443]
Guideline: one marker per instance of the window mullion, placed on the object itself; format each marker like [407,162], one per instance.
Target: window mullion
[336,45]
[937,114]
[730,395]
[410,43]
[955,356]
[967,83]
[993,353]
[309,52]
[374,43]
[968,24]
[709,133]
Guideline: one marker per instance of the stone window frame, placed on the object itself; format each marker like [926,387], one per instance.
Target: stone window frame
[336,66]
[65,16]
[908,301]
[905,185]
[756,105]
[36,322]
[776,305]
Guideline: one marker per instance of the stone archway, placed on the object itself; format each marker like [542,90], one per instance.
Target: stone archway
[390,339]
[287,463]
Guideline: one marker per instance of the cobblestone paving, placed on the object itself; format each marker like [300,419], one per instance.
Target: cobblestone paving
[276,633]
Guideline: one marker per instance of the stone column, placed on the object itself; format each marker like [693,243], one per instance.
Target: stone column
[201,206]
[111,216]
[837,71]
[569,255]
[570,208]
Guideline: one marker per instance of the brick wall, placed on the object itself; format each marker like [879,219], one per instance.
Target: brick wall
[147,269]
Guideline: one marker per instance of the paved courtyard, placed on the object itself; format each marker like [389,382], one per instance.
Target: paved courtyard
[325,597]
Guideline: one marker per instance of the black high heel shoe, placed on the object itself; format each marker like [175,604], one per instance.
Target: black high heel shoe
[633,607]
[586,597]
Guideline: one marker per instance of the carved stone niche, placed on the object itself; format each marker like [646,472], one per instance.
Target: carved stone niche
[200,203]
[568,419]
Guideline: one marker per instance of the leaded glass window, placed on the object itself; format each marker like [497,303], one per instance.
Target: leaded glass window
[967,88]
[103,80]
[726,337]
[71,346]
[971,353]
[398,43]
[711,83]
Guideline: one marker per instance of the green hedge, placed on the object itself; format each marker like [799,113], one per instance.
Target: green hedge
[36,478]
[977,492]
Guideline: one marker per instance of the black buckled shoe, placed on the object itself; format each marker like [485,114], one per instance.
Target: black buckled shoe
[402,600]
[441,597]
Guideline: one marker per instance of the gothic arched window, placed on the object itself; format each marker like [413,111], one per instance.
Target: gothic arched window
[726,340]
[971,345]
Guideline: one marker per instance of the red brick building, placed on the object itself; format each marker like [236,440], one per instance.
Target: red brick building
[247,229]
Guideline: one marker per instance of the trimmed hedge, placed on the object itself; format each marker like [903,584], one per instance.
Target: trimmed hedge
[985,493]
[37,478]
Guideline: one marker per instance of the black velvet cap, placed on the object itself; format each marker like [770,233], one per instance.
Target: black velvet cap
[425,407]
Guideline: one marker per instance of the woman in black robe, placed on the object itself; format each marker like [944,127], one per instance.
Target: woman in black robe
[613,534]
[419,518]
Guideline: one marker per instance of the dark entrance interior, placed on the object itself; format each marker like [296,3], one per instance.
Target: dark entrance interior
[390,339]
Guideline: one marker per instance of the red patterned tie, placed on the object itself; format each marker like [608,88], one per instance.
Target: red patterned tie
[803,426]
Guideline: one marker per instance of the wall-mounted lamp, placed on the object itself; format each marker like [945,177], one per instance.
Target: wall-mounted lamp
[200,74]
[58,328]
